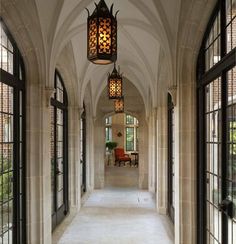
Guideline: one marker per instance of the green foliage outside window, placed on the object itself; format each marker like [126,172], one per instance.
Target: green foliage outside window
[6,178]
[111,145]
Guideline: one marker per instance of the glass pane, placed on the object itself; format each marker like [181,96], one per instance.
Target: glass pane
[129,139]
[228,11]
[59,117]
[3,37]
[60,182]
[234,31]
[59,133]
[59,198]
[20,73]
[60,165]
[213,145]
[233,9]
[10,63]
[207,62]
[229,37]
[129,120]
[59,149]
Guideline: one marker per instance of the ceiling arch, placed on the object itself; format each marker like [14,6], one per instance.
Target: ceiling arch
[144,29]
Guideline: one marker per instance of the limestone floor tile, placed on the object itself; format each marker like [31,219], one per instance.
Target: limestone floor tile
[119,216]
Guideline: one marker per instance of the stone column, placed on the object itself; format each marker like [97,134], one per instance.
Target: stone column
[186,132]
[99,152]
[89,149]
[143,153]
[38,175]
[74,157]
[152,151]
[161,196]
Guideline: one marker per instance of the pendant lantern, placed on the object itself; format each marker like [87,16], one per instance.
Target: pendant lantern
[114,84]
[119,105]
[102,35]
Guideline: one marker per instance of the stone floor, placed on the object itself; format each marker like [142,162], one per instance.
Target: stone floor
[119,216]
[124,176]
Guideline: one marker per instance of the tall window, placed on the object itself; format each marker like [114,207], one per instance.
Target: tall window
[171,159]
[131,139]
[83,152]
[216,127]
[12,141]
[59,152]
[108,129]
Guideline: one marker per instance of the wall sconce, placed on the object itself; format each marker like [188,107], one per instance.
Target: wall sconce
[102,35]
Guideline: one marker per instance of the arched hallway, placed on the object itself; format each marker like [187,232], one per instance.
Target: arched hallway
[64,141]
[118,215]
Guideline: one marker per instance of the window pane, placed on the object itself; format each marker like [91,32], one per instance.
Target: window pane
[129,120]
[228,11]
[129,139]
[6,53]
[108,120]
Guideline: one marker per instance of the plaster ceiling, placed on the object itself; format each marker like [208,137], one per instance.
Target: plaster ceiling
[145,27]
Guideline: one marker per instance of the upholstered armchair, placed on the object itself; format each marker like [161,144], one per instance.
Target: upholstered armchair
[120,156]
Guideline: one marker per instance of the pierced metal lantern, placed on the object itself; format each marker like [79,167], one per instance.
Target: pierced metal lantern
[114,84]
[119,105]
[102,35]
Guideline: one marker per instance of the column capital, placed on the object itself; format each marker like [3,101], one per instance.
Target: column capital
[173,92]
[49,92]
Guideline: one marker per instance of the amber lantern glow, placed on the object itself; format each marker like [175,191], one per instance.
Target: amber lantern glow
[102,35]
[119,105]
[114,84]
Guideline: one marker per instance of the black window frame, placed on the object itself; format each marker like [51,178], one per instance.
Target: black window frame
[204,77]
[83,150]
[60,213]
[19,130]
[170,207]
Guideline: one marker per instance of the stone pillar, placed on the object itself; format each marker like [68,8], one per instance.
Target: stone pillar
[99,152]
[143,153]
[152,151]
[89,150]
[38,175]
[161,196]
[74,157]
[186,132]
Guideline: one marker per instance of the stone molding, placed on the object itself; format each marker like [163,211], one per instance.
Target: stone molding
[49,91]
[173,92]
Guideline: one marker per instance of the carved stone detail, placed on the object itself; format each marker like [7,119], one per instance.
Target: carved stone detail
[173,92]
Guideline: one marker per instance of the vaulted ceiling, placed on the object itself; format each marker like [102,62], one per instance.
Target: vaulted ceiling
[146,28]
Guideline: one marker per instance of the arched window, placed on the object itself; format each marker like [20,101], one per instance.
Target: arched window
[171,159]
[216,128]
[59,152]
[12,141]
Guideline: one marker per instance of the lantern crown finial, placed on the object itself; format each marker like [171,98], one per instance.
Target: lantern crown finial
[101,9]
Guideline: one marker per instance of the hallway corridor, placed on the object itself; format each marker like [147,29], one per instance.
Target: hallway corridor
[116,215]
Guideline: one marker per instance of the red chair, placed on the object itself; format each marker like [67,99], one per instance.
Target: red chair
[120,156]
